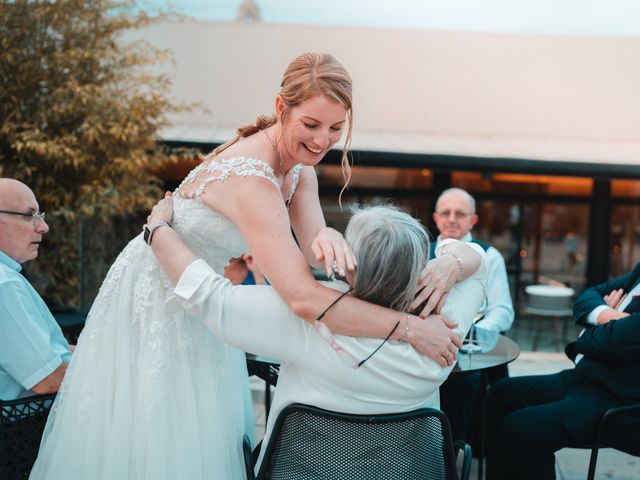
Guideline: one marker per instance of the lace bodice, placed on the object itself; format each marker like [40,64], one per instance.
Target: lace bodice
[209,234]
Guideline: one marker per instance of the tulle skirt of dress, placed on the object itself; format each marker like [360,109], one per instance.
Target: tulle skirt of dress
[150,394]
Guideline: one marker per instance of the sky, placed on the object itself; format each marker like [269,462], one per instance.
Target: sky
[563,17]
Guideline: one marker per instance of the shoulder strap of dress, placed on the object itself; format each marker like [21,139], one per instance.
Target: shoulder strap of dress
[244,167]
[294,183]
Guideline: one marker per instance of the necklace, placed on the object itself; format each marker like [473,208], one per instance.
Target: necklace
[279,169]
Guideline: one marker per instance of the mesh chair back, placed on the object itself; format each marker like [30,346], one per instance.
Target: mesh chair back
[310,443]
[21,425]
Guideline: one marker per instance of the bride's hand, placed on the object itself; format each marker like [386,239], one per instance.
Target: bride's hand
[163,210]
[330,247]
[435,338]
[436,281]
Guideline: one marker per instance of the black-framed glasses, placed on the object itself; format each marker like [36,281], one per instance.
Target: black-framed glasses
[33,217]
[346,355]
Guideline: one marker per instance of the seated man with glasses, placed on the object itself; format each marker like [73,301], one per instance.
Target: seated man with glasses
[335,372]
[33,351]
[455,216]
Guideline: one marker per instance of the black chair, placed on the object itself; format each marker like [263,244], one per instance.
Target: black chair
[22,422]
[618,428]
[309,443]
[266,369]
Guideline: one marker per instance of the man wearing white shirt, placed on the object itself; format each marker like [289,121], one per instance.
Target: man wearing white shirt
[455,216]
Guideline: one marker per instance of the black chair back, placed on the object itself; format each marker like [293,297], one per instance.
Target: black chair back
[618,428]
[310,443]
[22,422]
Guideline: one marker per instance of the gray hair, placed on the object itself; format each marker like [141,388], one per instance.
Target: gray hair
[460,191]
[391,249]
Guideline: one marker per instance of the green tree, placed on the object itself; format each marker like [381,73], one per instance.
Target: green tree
[79,119]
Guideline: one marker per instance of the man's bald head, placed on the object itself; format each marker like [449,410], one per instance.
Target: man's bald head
[11,192]
[455,213]
[20,235]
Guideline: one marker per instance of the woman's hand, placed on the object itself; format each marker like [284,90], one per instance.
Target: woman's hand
[330,247]
[163,210]
[434,337]
[436,281]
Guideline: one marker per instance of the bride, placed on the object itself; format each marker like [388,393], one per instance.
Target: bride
[150,393]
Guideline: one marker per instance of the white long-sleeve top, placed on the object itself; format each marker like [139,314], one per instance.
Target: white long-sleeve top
[255,319]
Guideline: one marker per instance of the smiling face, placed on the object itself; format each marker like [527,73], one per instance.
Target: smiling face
[310,129]
[454,216]
[19,237]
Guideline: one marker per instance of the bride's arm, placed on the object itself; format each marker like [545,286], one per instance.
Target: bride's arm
[257,209]
[321,245]
[176,258]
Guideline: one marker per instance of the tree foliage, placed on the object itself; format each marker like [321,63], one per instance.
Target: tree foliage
[80,113]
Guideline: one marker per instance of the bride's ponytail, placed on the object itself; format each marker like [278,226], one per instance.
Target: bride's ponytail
[262,122]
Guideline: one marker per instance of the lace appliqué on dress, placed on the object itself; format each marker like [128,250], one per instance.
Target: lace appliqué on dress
[222,169]
[294,183]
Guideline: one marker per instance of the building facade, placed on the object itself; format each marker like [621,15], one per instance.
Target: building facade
[542,129]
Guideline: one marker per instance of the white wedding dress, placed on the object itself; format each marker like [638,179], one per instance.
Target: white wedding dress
[150,393]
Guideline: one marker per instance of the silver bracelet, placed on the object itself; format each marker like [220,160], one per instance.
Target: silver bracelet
[459,260]
[406,328]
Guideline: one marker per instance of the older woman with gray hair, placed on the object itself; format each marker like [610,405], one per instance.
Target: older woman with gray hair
[335,372]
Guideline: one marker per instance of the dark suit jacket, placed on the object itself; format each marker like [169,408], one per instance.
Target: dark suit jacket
[593,297]
[609,374]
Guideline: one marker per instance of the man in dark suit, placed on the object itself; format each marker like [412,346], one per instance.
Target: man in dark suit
[610,300]
[530,418]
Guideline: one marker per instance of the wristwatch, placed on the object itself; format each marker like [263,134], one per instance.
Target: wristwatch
[152,227]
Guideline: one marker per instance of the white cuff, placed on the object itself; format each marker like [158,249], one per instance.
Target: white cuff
[595,313]
[191,279]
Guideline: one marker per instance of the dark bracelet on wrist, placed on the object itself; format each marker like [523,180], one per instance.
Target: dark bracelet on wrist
[151,228]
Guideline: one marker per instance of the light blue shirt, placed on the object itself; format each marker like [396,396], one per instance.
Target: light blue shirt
[32,345]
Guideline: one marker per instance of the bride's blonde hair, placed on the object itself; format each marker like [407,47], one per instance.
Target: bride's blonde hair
[308,75]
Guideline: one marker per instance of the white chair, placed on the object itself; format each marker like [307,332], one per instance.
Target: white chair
[549,302]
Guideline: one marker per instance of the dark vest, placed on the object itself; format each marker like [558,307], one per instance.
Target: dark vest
[432,247]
